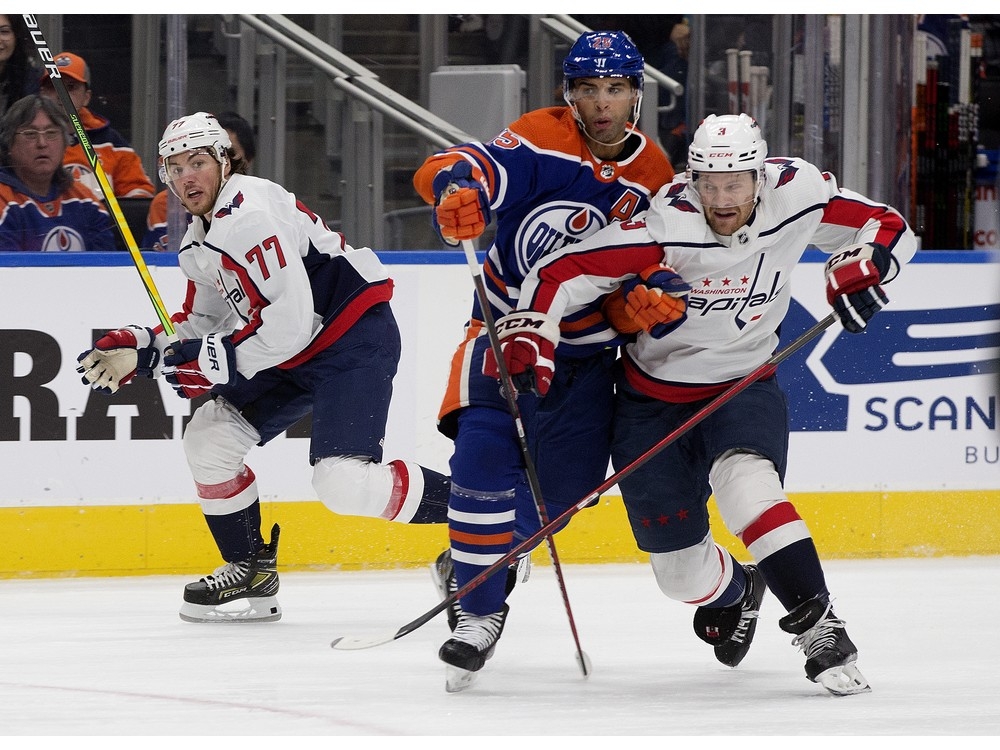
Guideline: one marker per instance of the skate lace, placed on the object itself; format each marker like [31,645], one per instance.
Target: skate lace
[479,632]
[227,575]
[821,636]
[740,634]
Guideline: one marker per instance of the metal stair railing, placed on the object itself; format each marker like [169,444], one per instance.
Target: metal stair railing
[363,206]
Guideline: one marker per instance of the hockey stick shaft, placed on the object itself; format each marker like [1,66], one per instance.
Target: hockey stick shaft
[529,465]
[765,370]
[48,62]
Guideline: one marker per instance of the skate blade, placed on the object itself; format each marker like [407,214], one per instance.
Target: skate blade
[456,679]
[844,680]
[258,609]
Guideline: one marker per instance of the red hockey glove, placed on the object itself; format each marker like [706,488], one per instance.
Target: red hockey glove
[117,357]
[463,206]
[194,366]
[853,283]
[528,343]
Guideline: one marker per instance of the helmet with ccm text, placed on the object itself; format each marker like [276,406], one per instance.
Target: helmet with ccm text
[603,54]
[198,130]
[728,143]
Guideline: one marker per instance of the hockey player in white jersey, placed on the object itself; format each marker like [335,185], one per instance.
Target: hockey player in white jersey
[281,319]
[702,278]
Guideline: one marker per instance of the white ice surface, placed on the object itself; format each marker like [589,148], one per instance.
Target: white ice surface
[110,657]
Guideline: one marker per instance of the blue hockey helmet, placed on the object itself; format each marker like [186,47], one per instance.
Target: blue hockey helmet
[603,54]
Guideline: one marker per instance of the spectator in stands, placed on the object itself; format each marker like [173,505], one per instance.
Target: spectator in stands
[244,144]
[18,73]
[41,206]
[120,163]
[673,123]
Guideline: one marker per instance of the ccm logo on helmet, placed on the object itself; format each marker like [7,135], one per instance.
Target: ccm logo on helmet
[720,154]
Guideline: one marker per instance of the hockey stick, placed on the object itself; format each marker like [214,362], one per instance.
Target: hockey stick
[767,369]
[529,465]
[48,62]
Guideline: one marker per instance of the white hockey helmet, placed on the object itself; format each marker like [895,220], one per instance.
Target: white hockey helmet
[728,143]
[196,131]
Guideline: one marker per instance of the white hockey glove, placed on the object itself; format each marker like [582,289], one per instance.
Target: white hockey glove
[853,283]
[528,342]
[117,357]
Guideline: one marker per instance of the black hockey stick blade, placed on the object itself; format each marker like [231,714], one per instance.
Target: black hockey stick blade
[360,642]
[355,643]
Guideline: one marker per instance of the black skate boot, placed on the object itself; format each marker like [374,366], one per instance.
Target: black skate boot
[470,646]
[830,653]
[241,591]
[443,573]
[731,629]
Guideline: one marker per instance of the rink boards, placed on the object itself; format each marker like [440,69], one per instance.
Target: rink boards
[893,451]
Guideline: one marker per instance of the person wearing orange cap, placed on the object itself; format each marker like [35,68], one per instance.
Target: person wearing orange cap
[120,162]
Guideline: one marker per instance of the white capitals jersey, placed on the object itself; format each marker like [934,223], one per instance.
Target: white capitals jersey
[740,285]
[270,274]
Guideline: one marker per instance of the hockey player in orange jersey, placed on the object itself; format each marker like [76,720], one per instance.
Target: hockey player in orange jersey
[553,177]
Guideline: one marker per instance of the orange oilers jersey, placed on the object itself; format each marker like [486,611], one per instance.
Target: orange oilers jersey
[156,224]
[546,190]
[72,220]
[120,163]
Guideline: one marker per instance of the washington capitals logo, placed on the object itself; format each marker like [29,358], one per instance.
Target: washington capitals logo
[228,209]
[786,172]
[677,200]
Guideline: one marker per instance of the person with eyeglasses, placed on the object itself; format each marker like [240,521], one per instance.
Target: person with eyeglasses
[121,164]
[41,206]
[553,177]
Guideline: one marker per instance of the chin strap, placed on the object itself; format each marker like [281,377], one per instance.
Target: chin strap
[629,127]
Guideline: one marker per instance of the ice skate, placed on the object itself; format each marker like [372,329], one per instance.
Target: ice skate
[830,653]
[443,573]
[471,645]
[731,629]
[241,591]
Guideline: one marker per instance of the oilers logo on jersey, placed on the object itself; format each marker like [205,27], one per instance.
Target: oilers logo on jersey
[553,225]
[63,238]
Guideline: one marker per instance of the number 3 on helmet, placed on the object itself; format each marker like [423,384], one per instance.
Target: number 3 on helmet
[728,143]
